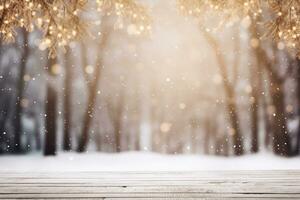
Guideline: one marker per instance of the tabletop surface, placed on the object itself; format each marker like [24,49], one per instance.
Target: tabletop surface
[151,185]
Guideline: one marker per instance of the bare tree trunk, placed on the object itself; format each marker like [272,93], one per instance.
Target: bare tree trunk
[207,135]
[88,115]
[267,119]
[230,100]
[67,142]
[137,141]
[268,126]
[137,121]
[93,89]
[254,104]
[254,126]
[50,119]
[92,96]
[256,73]
[37,134]
[281,139]
[218,146]
[297,150]
[225,146]
[237,138]
[194,140]
[117,122]
[3,119]
[117,127]
[193,134]
[233,118]
[20,93]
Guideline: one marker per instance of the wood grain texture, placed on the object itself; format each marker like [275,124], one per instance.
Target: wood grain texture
[151,185]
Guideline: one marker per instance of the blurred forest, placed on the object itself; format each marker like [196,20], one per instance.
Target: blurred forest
[200,84]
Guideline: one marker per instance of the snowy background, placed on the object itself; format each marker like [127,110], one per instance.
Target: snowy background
[144,161]
[183,97]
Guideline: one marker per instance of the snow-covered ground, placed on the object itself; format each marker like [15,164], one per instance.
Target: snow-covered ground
[144,161]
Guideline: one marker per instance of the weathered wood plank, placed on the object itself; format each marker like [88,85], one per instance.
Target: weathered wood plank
[149,185]
[237,188]
[146,183]
[148,195]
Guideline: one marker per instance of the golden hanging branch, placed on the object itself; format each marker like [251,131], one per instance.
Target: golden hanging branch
[285,23]
[283,26]
[59,20]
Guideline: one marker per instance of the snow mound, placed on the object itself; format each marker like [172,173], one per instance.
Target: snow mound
[144,161]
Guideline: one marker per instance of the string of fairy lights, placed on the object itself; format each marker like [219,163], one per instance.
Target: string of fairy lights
[60,20]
